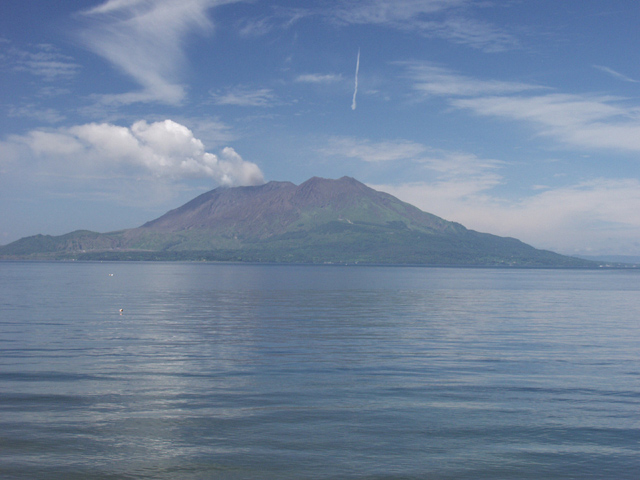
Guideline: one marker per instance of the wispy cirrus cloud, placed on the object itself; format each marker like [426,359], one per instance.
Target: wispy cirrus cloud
[451,20]
[439,160]
[615,74]
[319,78]
[587,122]
[429,79]
[42,60]
[391,11]
[48,115]
[368,151]
[144,39]
[579,120]
[470,32]
[279,18]
[453,174]
[456,21]
[245,97]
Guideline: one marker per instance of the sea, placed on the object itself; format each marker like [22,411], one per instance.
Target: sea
[237,371]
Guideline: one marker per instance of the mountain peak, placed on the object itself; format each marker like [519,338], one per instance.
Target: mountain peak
[321,191]
[321,220]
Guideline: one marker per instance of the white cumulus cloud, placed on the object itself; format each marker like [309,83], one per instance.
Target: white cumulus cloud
[164,149]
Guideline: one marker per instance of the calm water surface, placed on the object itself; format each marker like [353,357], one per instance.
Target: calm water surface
[317,372]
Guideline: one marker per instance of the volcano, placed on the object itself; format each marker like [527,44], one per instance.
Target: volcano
[319,221]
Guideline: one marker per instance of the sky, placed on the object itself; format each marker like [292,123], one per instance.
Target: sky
[514,117]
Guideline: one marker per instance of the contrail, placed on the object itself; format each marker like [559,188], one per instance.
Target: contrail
[355,91]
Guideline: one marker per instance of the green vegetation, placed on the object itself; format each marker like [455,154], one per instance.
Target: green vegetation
[332,242]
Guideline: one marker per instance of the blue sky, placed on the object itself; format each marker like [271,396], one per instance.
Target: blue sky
[518,118]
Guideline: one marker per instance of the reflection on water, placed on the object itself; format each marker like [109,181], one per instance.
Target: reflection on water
[243,371]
